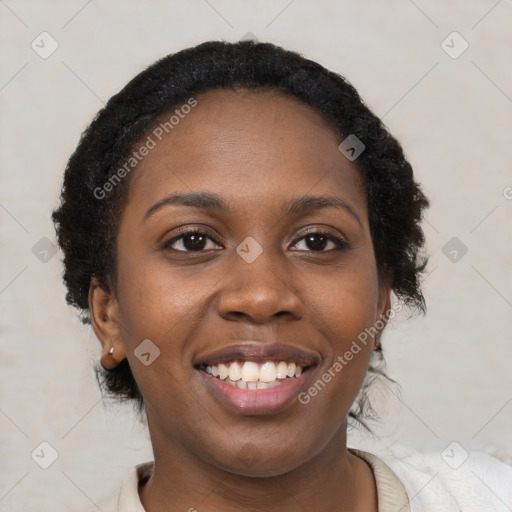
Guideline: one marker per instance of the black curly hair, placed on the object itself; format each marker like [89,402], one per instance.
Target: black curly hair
[87,218]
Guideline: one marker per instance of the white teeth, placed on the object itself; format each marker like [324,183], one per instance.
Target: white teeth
[268,372]
[282,370]
[223,371]
[240,384]
[250,372]
[234,371]
[251,375]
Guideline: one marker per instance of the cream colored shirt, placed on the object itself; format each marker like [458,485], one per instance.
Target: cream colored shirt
[391,494]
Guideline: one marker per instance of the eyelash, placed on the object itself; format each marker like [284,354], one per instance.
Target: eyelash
[340,243]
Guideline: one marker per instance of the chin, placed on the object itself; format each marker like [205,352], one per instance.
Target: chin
[250,461]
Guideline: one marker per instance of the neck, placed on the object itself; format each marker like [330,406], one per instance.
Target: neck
[334,479]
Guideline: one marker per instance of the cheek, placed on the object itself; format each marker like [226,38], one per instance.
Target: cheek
[165,306]
[345,301]
[345,309]
[153,307]
[154,301]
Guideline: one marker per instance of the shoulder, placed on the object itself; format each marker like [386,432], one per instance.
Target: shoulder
[453,479]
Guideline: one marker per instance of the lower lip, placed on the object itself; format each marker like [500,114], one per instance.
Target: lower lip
[257,401]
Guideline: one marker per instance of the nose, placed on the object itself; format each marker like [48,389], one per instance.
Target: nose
[259,292]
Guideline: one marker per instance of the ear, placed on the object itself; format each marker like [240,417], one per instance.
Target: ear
[106,323]
[384,306]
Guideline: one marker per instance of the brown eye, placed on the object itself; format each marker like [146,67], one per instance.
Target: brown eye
[191,241]
[318,241]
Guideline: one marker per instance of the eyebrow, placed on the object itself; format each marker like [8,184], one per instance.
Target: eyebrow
[208,201]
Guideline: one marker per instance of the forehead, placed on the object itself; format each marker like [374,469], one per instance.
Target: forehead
[247,146]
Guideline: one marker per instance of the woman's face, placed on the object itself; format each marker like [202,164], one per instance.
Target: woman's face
[274,277]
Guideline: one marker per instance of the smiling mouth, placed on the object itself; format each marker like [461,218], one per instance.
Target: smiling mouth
[250,375]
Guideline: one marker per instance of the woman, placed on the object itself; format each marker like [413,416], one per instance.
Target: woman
[234,223]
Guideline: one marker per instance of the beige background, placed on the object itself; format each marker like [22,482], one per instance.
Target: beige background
[453,116]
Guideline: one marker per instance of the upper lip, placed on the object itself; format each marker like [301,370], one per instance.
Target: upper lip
[258,352]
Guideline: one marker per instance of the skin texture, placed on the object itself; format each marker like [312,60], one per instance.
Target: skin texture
[256,150]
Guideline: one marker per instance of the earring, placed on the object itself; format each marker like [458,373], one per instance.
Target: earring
[110,352]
